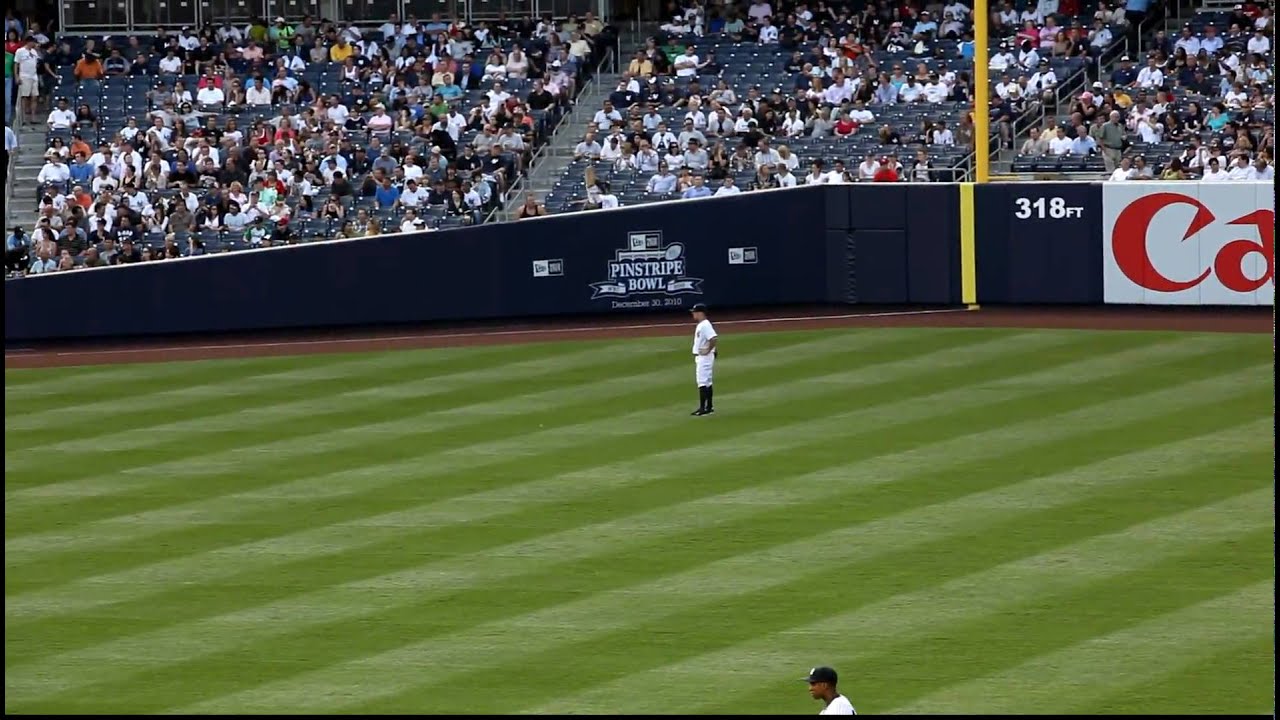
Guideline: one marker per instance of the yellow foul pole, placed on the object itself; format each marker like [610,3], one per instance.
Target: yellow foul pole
[981,90]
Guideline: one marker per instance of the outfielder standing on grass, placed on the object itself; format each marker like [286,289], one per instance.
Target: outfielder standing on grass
[822,686]
[704,358]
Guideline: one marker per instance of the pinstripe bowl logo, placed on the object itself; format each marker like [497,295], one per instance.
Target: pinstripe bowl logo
[647,266]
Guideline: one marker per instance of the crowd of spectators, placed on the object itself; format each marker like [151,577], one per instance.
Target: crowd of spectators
[686,123]
[1196,106]
[219,138]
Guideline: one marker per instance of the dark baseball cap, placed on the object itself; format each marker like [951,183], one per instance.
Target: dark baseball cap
[699,307]
[822,674]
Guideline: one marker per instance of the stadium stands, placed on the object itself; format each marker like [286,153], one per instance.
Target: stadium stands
[846,93]
[243,137]
[1202,98]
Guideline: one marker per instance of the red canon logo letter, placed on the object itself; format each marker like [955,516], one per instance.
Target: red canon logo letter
[1129,240]
[1129,245]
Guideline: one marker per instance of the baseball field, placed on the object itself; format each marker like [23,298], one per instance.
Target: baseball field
[960,520]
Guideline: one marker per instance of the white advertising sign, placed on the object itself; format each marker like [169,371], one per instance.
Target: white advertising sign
[1189,243]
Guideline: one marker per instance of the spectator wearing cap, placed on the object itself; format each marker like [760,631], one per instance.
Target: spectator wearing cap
[1043,82]
[1125,75]
[1002,59]
[1259,44]
[889,170]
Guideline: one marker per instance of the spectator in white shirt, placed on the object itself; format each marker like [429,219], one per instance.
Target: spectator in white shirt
[1151,76]
[413,196]
[337,112]
[1099,36]
[54,171]
[1188,42]
[768,32]
[1059,144]
[816,174]
[1002,59]
[942,135]
[588,148]
[860,114]
[170,64]
[1240,170]
[911,91]
[1214,172]
[257,94]
[686,65]
[1262,170]
[1259,44]
[61,117]
[728,188]
[934,90]
[1124,171]
[606,116]
[210,95]
[785,177]
[868,168]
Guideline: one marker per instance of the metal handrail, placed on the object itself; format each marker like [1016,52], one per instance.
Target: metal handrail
[542,153]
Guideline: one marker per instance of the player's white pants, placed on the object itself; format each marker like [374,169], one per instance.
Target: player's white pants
[703,365]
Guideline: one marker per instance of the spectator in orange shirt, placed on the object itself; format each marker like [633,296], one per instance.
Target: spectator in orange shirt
[79,146]
[89,67]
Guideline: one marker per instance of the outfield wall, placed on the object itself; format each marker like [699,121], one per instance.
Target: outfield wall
[919,244]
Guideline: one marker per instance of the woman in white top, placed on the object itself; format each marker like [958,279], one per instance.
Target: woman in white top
[626,161]
[674,158]
[788,159]
[495,68]
[180,94]
[868,168]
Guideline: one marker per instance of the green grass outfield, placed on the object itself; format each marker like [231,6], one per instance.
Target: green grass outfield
[958,520]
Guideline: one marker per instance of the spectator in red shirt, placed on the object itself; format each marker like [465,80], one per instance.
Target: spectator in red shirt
[888,171]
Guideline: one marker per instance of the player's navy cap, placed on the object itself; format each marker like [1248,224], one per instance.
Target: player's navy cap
[699,307]
[822,674]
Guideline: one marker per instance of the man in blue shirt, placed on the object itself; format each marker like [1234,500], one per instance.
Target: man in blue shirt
[81,171]
[1083,145]
[1125,75]
[386,195]
[697,190]
[15,250]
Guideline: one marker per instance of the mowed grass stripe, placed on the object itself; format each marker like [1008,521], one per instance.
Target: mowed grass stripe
[458,510]
[1233,680]
[858,637]
[445,659]
[21,548]
[1069,679]
[90,404]
[354,601]
[557,368]
[283,406]
[235,464]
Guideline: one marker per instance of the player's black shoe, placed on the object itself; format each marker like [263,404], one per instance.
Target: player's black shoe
[709,411]
[698,412]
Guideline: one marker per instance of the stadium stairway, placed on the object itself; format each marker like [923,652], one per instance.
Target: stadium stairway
[552,160]
[22,208]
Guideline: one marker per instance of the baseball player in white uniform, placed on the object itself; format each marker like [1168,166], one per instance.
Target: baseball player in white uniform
[704,358]
[822,686]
